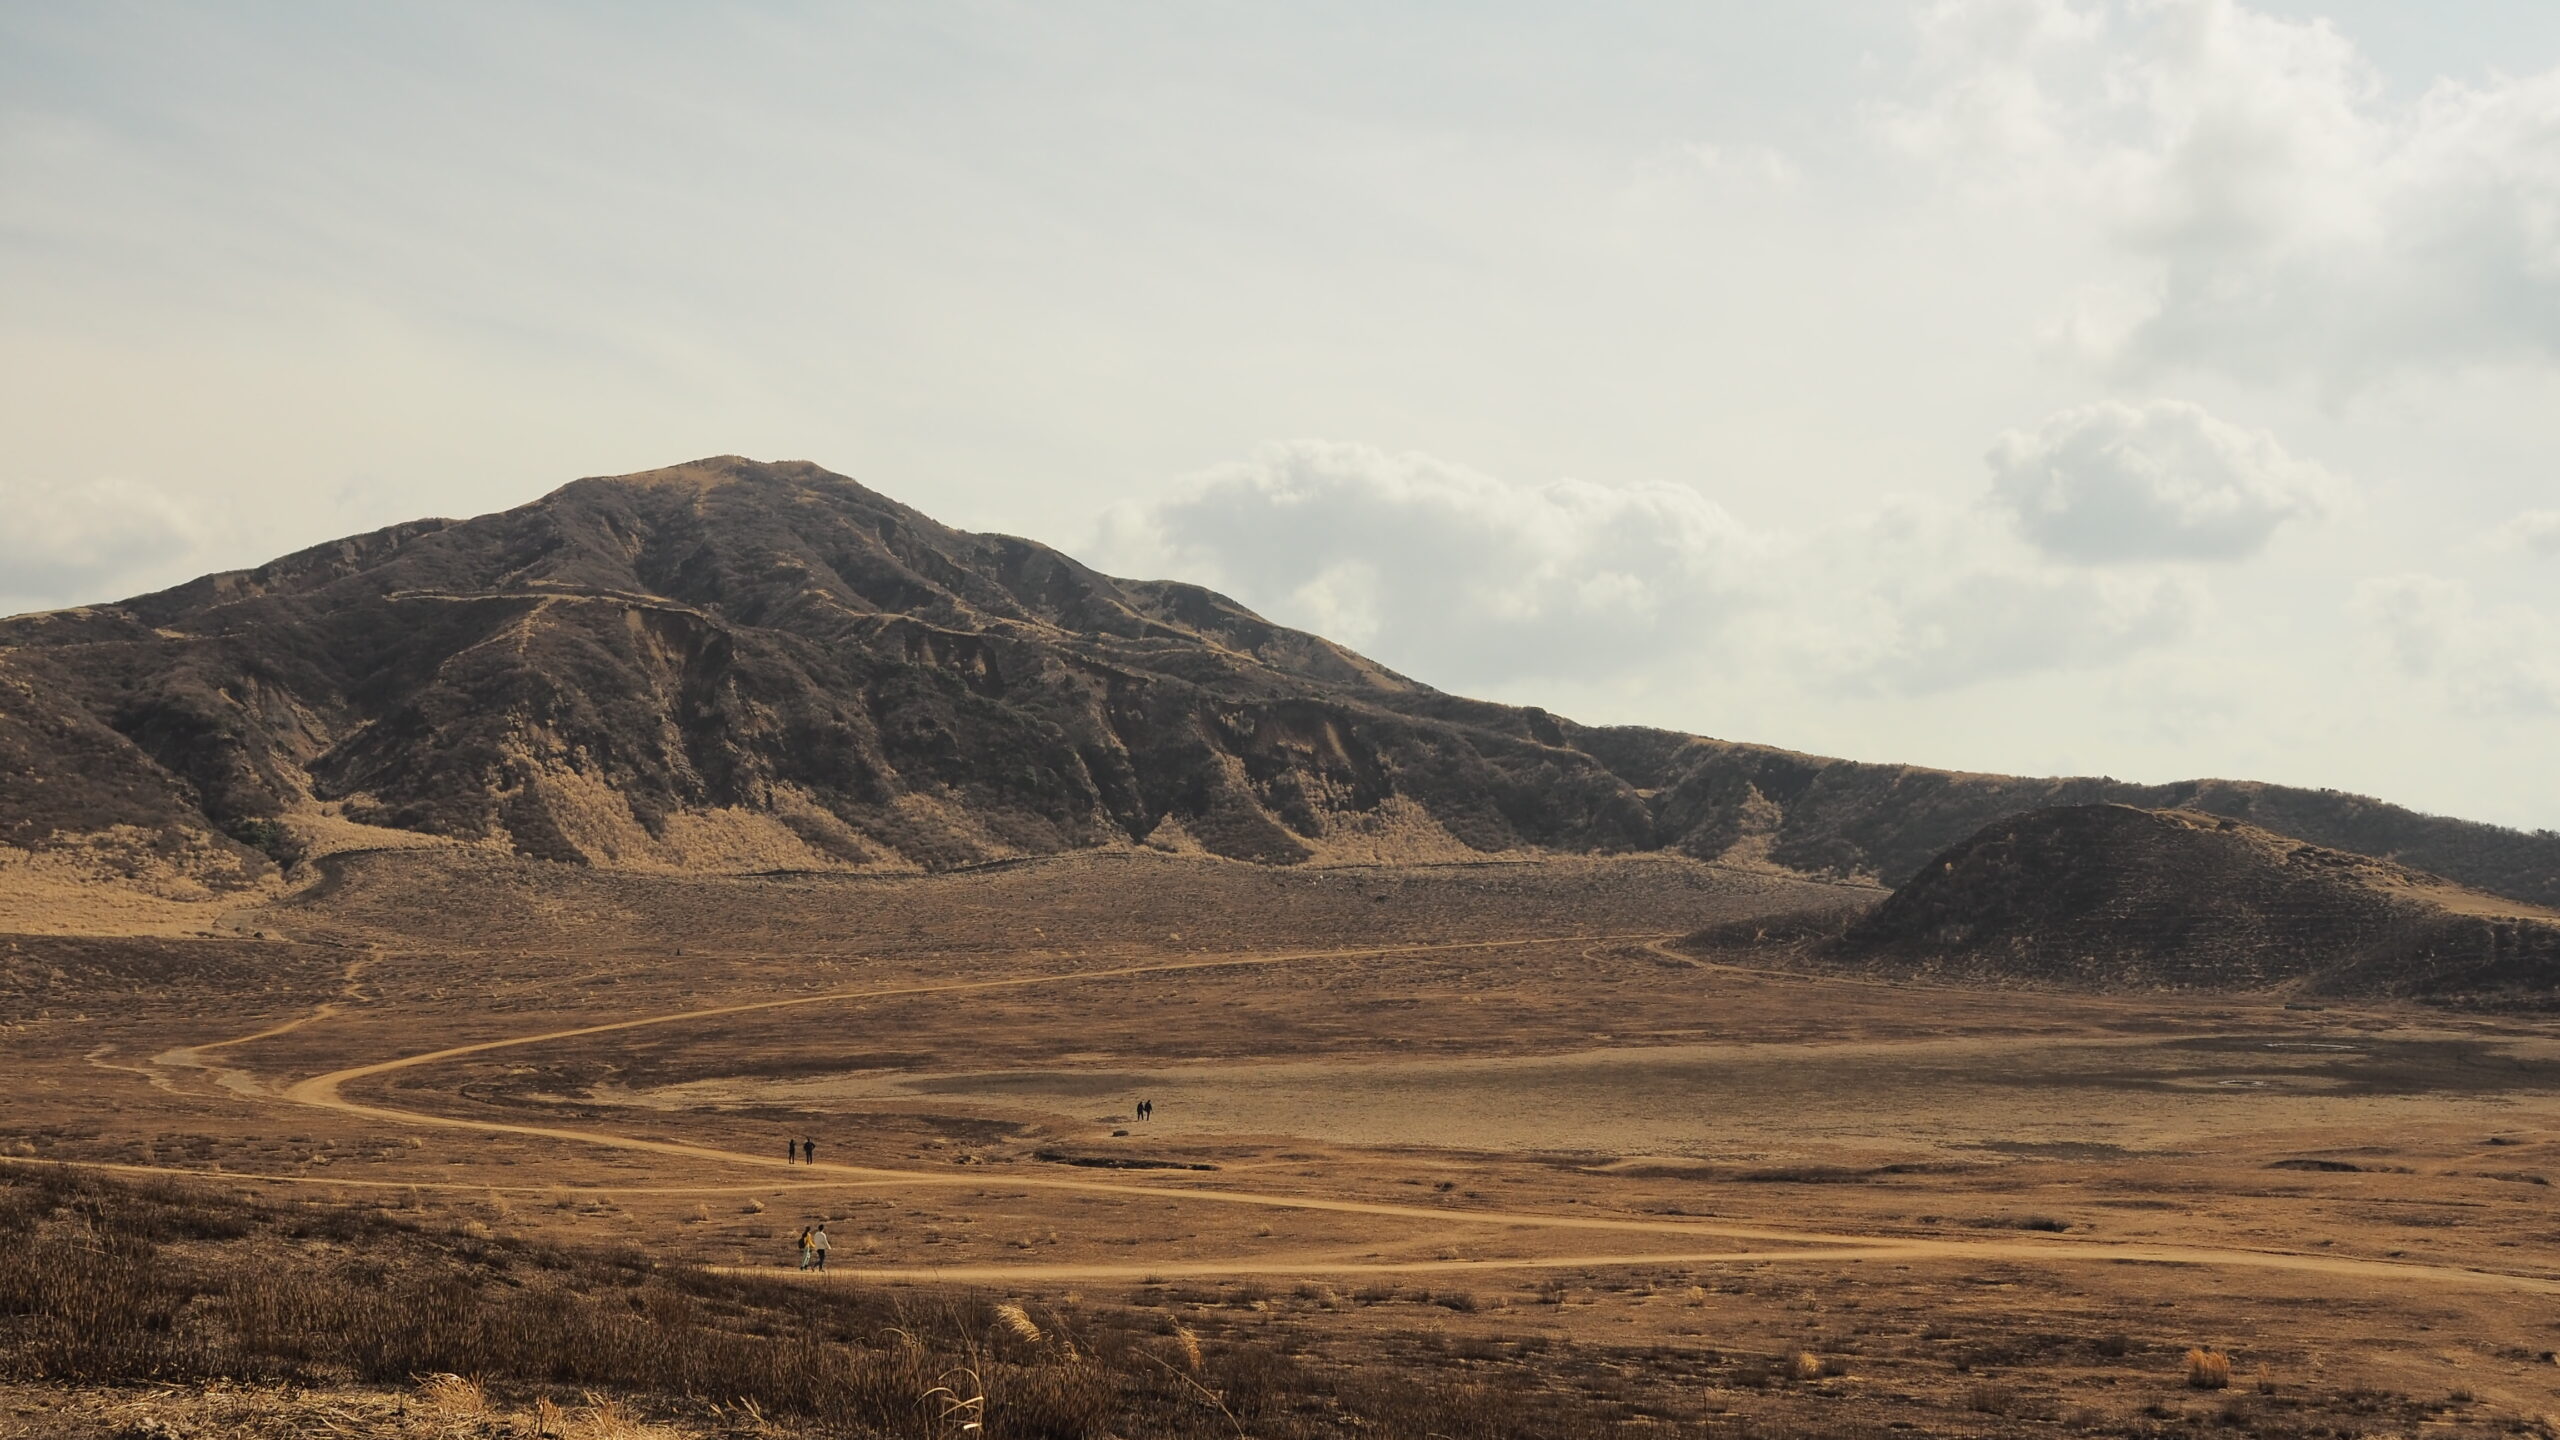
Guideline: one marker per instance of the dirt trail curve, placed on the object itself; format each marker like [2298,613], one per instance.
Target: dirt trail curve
[324,1091]
[1803,1246]
[2041,1252]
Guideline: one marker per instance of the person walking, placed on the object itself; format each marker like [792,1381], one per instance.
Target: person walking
[818,1246]
[810,1149]
[805,1251]
[792,1149]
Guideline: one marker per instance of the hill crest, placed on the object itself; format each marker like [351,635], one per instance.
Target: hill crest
[2116,896]
[735,665]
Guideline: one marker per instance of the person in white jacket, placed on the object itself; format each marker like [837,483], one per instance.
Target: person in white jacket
[818,1246]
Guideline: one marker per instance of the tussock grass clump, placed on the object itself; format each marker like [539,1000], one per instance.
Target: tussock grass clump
[1017,1322]
[2208,1369]
[454,1398]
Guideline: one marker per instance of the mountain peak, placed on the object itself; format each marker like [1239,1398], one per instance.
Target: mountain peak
[734,664]
[715,470]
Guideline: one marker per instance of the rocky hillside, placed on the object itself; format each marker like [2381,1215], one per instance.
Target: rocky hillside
[731,665]
[2114,896]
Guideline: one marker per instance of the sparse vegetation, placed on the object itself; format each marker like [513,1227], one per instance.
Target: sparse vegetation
[2208,1369]
[106,1282]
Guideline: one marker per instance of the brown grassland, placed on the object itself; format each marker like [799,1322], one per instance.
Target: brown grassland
[443,1144]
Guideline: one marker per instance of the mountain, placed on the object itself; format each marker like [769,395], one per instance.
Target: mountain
[2116,896]
[732,665]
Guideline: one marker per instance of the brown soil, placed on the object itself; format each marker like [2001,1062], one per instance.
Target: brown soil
[1478,1124]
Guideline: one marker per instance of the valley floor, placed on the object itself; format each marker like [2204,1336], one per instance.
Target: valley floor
[1483,1126]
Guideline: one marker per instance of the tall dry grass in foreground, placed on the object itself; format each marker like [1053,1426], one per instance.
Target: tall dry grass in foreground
[107,1282]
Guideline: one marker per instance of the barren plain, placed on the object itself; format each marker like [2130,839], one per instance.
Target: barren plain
[1509,1124]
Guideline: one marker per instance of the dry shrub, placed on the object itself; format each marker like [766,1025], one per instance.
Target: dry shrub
[608,1420]
[86,1297]
[451,1397]
[2208,1369]
[1053,1402]
[1991,1398]
[1804,1365]
[1697,1295]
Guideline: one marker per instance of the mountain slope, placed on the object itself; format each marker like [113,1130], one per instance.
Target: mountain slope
[2113,896]
[735,665]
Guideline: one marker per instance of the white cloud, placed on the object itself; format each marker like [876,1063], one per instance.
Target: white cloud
[65,543]
[1988,70]
[1990,624]
[2485,658]
[2159,481]
[2290,216]
[2535,532]
[1918,599]
[1468,580]
[1750,163]
[1430,558]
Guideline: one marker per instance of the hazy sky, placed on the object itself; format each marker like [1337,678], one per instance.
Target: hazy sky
[2157,388]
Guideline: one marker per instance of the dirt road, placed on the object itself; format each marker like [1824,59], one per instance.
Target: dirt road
[1797,1246]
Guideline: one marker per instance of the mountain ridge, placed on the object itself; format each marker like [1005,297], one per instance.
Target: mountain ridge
[737,665]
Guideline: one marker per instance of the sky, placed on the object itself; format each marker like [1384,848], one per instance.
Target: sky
[2150,388]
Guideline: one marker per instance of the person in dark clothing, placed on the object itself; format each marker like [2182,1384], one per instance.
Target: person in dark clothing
[809,1148]
[793,1148]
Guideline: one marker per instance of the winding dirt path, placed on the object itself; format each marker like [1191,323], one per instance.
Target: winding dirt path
[1862,1252]
[1794,1246]
[325,1092]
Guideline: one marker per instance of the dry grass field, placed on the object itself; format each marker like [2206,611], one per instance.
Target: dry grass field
[1461,1150]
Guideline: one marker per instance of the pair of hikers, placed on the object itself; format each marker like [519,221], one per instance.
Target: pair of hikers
[1146,1109]
[813,1247]
[800,1148]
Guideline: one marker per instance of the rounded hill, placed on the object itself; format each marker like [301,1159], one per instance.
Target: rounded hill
[2119,896]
